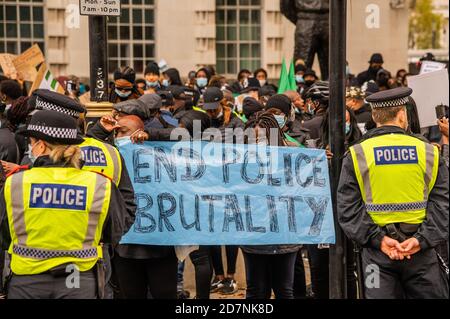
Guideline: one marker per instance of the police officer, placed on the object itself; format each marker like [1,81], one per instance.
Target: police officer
[55,216]
[98,155]
[393,201]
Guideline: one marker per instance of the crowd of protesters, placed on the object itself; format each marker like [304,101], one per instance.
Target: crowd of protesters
[150,108]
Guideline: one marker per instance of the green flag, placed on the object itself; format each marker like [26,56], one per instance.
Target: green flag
[287,79]
[292,84]
[282,85]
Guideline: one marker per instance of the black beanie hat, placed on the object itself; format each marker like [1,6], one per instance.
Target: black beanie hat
[280,102]
[153,68]
[126,73]
[251,106]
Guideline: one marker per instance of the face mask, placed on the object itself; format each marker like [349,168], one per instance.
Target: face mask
[123,95]
[310,109]
[152,84]
[202,82]
[309,82]
[347,128]
[30,153]
[82,89]
[262,82]
[299,79]
[281,120]
[165,83]
[347,70]
[120,141]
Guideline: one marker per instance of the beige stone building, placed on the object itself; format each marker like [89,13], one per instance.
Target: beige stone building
[230,34]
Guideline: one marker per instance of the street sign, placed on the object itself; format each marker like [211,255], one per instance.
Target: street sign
[100,7]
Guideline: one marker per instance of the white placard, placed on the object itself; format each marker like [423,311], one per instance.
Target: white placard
[430,90]
[431,66]
[100,7]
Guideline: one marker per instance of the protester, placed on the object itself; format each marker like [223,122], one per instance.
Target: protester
[124,87]
[9,92]
[270,267]
[376,64]
[202,78]
[9,150]
[152,77]
[263,79]
[171,77]
[242,81]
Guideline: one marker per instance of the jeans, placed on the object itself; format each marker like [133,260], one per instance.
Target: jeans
[267,272]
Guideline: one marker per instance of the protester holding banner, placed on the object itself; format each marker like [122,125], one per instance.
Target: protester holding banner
[269,267]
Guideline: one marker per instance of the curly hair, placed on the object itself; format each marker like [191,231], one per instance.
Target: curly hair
[20,109]
[266,121]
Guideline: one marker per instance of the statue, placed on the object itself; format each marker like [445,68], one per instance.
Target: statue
[312,34]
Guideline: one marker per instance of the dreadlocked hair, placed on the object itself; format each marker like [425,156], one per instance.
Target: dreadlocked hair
[266,121]
[70,155]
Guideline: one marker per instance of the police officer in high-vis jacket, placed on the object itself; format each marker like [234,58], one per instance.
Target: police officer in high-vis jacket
[55,216]
[393,201]
[99,156]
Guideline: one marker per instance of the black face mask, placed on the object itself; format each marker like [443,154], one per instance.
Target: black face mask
[374,69]
[309,83]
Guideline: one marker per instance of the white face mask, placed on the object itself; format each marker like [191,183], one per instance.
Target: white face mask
[30,153]
[281,119]
[262,82]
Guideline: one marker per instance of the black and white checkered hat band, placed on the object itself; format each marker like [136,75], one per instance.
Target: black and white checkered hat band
[56,132]
[43,105]
[392,103]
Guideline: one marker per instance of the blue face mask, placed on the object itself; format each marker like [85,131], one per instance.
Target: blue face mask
[202,82]
[152,84]
[82,89]
[299,79]
[120,141]
[281,120]
[347,128]
[121,94]
[165,83]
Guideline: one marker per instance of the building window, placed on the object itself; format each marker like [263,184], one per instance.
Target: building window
[131,37]
[21,25]
[238,38]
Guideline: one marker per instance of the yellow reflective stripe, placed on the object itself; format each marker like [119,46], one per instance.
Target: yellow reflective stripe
[95,211]
[364,171]
[429,169]
[117,165]
[18,210]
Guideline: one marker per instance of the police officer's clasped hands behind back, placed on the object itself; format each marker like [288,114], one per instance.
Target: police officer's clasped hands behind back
[393,201]
[55,216]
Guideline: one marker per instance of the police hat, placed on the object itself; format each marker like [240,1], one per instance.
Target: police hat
[151,101]
[133,107]
[53,127]
[52,101]
[390,98]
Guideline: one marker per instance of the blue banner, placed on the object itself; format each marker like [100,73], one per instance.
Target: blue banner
[198,193]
